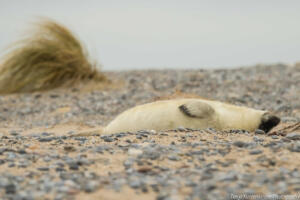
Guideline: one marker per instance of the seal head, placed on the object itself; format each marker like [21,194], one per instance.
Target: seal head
[268,121]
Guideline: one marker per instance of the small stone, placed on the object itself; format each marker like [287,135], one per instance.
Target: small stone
[240,144]
[162,196]
[73,166]
[69,148]
[47,158]
[14,133]
[59,169]
[63,189]
[134,152]
[43,168]
[293,136]
[128,163]
[108,139]
[274,137]
[91,186]
[255,152]
[128,141]
[257,139]
[23,164]
[47,139]
[138,137]
[71,132]
[11,155]
[294,147]
[181,128]
[144,169]
[46,134]
[260,132]
[22,151]
[230,176]
[10,189]
[173,157]
[11,165]
[81,139]
[135,184]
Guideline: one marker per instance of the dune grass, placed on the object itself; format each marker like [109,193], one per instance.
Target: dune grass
[50,57]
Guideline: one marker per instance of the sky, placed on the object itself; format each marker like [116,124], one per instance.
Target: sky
[158,34]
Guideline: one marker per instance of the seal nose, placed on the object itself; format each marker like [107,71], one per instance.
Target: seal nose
[268,121]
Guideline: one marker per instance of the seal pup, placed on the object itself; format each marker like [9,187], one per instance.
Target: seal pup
[191,113]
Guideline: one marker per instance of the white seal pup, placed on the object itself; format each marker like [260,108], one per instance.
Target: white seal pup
[191,113]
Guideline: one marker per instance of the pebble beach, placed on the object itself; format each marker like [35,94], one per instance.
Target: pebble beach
[42,158]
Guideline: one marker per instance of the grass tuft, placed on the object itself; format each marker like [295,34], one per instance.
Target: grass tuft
[51,57]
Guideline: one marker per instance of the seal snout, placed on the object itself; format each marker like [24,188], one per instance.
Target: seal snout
[268,121]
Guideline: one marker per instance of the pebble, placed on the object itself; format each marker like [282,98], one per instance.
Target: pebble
[274,137]
[73,165]
[293,136]
[294,147]
[10,189]
[184,167]
[43,168]
[260,132]
[91,186]
[48,139]
[258,139]
[107,139]
[240,144]
[255,152]
[173,157]
[135,183]
[46,134]
[230,176]
[134,152]
[22,151]
[14,133]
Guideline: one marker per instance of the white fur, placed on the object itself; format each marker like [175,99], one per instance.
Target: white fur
[165,115]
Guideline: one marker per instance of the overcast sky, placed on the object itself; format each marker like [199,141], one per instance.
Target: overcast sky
[141,34]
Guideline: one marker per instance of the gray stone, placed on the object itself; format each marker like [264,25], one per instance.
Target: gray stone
[260,132]
[10,189]
[230,176]
[294,147]
[91,186]
[274,137]
[257,139]
[47,139]
[293,136]
[240,144]
[135,183]
[255,152]
[173,157]
[43,168]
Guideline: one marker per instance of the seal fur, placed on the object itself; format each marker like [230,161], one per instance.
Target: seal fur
[191,113]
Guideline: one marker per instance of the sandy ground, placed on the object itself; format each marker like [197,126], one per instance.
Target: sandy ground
[40,158]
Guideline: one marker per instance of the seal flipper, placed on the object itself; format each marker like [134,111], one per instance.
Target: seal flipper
[196,109]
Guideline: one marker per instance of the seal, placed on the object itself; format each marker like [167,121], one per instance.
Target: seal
[191,113]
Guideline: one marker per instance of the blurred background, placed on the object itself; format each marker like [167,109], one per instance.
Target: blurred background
[124,35]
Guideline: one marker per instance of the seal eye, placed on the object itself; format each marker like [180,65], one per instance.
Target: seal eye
[268,121]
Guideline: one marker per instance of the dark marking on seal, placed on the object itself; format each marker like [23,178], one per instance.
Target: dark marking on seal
[268,121]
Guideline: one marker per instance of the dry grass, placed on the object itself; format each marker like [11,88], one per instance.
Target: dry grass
[51,57]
